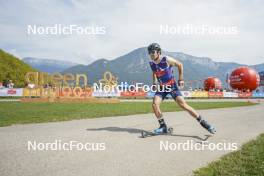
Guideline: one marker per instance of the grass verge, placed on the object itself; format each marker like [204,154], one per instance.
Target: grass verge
[19,113]
[248,161]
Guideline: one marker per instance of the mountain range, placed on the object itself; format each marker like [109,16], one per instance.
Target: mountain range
[48,65]
[134,67]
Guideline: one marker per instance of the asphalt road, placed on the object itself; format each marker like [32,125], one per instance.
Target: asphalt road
[114,145]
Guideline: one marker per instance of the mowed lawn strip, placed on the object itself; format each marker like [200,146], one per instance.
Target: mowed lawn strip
[247,161]
[19,113]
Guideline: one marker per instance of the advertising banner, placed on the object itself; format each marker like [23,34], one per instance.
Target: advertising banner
[106,94]
[244,94]
[200,94]
[134,94]
[186,94]
[258,95]
[16,92]
[230,94]
[27,92]
[215,94]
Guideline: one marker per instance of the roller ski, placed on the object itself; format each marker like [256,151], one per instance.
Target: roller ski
[159,131]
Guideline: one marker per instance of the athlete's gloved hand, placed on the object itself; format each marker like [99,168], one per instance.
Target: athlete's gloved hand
[181,83]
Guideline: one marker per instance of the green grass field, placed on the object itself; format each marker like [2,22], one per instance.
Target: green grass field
[246,162]
[20,113]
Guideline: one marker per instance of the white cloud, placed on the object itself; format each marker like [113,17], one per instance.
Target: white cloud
[131,24]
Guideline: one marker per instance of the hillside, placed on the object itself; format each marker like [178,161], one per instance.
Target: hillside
[13,68]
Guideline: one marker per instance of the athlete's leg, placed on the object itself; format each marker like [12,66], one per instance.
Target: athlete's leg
[156,108]
[182,103]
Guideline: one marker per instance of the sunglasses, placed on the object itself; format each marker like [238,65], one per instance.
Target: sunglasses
[151,51]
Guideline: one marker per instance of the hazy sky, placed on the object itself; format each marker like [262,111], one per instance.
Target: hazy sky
[131,24]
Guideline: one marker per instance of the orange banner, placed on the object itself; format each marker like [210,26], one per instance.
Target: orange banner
[215,94]
[133,94]
[244,94]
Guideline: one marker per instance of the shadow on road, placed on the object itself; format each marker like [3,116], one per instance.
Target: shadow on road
[195,137]
[138,131]
[116,129]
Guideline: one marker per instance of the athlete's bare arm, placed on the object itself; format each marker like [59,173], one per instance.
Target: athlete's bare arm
[173,62]
[154,78]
